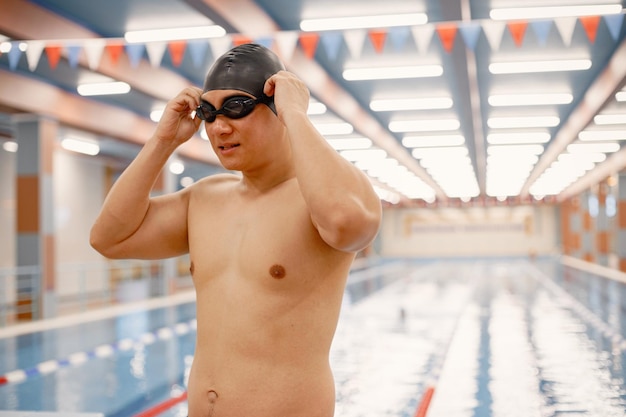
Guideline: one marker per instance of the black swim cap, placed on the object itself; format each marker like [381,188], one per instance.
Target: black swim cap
[246,68]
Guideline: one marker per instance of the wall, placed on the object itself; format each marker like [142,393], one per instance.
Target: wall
[469,232]
[78,195]
[7,208]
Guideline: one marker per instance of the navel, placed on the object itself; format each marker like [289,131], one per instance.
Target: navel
[278,271]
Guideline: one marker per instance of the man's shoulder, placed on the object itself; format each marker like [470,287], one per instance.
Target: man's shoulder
[217,182]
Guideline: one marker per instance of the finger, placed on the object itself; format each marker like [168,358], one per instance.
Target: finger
[270,86]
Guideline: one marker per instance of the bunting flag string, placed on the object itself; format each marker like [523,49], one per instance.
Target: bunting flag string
[286,42]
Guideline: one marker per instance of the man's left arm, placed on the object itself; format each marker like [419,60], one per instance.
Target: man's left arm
[344,207]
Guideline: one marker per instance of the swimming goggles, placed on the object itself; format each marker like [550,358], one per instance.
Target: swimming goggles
[233,108]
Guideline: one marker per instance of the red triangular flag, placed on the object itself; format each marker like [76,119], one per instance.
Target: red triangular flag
[377,37]
[309,41]
[177,51]
[241,40]
[114,50]
[590,24]
[518,30]
[53,52]
[447,33]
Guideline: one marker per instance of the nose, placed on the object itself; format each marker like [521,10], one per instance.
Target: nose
[220,126]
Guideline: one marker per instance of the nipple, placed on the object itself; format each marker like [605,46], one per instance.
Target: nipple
[277,271]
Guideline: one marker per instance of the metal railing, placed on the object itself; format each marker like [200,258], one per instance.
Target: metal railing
[79,287]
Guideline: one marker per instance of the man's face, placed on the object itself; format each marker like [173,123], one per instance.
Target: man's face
[238,127]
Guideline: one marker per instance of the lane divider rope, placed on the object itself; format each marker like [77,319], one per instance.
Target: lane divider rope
[99,352]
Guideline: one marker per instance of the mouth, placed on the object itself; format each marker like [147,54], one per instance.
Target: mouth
[227,147]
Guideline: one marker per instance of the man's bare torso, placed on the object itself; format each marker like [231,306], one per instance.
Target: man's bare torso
[268,297]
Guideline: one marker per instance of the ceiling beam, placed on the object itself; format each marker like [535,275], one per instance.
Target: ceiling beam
[28,95]
[23,20]
[249,19]
[476,113]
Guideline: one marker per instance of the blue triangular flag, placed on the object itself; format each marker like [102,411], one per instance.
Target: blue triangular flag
[14,55]
[470,33]
[135,53]
[73,51]
[266,41]
[331,42]
[398,36]
[197,50]
[614,23]
[541,29]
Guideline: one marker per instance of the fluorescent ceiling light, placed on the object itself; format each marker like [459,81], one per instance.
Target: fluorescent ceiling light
[516,13]
[362,22]
[340,128]
[605,147]
[432,141]
[433,103]
[173,34]
[517,138]
[602,135]
[101,89]
[10,146]
[519,122]
[350,143]
[316,108]
[363,154]
[505,100]
[83,146]
[620,96]
[522,67]
[514,149]
[444,154]
[176,167]
[424,125]
[386,73]
[155,115]
[610,119]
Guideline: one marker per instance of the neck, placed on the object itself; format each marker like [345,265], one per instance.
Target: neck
[266,178]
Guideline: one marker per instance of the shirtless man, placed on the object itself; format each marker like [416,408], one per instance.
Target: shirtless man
[270,250]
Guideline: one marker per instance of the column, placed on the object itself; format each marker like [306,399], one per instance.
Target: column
[602,226]
[571,227]
[36,297]
[620,247]
[587,234]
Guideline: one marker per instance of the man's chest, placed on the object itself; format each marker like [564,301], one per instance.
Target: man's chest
[264,240]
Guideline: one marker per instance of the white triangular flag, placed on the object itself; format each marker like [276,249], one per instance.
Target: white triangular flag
[93,51]
[220,45]
[494,31]
[355,40]
[566,26]
[423,36]
[155,51]
[286,43]
[33,54]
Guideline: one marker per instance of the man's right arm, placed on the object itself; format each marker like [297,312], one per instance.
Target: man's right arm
[131,224]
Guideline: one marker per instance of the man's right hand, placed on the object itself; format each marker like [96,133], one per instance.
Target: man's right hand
[177,125]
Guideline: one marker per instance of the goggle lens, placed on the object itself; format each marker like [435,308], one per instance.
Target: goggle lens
[233,108]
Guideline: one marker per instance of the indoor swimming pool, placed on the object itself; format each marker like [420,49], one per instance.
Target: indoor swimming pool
[485,338]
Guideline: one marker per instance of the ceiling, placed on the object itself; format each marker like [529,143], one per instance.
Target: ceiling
[452,137]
